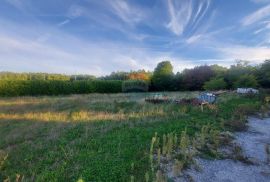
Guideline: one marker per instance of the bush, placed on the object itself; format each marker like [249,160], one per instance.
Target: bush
[134,86]
[56,87]
[215,84]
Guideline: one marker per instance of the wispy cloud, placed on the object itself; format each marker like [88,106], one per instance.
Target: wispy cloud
[63,23]
[180,14]
[257,16]
[193,39]
[265,26]
[126,12]
[185,14]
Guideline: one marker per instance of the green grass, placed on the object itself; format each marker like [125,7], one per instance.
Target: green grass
[94,137]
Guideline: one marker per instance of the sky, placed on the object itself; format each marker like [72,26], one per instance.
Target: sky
[97,37]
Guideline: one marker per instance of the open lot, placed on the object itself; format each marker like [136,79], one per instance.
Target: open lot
[96,137]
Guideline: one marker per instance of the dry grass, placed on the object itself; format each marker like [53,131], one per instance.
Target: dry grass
[95,107]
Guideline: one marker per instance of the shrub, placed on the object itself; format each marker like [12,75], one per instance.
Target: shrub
[215,84]
[134,86]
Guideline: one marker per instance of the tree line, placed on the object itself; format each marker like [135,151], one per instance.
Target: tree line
[204,77]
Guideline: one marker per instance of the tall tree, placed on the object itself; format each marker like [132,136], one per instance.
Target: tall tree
[194,79]
[163,76]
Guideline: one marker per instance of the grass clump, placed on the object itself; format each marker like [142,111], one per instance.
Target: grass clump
[178,151]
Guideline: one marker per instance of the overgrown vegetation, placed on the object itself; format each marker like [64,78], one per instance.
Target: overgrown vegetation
[106,137]
[174,152]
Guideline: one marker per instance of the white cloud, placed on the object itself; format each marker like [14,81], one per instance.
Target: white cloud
[126,12]
[254,54]
[266,26]
[193,39]
[184,13]
[180,14]
[205,4]
[256,16]
[63,23]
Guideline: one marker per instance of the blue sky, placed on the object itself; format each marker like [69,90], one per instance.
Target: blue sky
[100,36]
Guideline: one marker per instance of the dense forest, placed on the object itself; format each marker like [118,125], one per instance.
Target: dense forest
[204,77]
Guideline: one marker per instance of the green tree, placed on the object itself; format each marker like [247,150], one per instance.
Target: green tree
[246,81]
[264,74]
[194,79]
[178,81]
[219,70]
[215,84]
[237,70]
[163,76]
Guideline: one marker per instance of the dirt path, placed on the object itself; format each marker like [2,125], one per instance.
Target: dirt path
[253,143]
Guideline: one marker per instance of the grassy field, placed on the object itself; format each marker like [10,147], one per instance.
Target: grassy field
[96,137]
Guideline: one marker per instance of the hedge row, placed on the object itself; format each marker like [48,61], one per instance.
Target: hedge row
[57,87]
[135,86]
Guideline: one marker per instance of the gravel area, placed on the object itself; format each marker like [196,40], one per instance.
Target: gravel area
[253,144]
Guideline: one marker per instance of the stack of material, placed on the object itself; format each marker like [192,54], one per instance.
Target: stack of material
[247,91]
[157,98]
[193,101]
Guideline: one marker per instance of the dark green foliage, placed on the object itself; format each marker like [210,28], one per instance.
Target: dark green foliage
[82,77]
[57,87]
[219,71]
[178,83]
[246,81]
[215,84]
[237,70]
[134,86]
[163,76]
[264,74]
[195,78]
